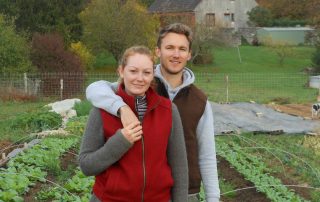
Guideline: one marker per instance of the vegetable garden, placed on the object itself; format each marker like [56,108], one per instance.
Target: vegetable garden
[252,167]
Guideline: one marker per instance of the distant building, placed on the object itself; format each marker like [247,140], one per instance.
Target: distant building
[290,35]
[223,13]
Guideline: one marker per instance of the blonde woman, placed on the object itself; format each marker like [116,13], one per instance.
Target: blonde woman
[146,160]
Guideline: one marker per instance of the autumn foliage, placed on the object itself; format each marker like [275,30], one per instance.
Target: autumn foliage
[50,56]
[294,9]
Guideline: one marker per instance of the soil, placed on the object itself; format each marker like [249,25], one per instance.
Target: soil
[4,146]
[232,176]
[302,110]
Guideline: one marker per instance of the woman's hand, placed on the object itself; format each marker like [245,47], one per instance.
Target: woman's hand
[132,132]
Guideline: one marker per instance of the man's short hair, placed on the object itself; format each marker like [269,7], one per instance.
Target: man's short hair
[177,28]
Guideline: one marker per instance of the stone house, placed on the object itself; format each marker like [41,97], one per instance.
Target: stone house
[223,13]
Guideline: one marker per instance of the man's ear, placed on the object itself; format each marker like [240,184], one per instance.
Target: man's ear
[189,55]
[158,52]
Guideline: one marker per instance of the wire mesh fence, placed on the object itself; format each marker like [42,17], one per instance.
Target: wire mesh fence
[235,87]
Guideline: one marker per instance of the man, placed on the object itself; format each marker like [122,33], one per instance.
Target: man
[175,81]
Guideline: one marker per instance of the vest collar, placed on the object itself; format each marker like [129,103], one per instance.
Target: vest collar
[153,99]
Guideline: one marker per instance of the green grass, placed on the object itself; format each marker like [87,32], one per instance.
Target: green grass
[256,59]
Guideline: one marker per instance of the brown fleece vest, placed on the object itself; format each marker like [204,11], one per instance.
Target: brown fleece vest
[191,103]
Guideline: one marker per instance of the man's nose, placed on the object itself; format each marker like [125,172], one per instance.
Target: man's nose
[176,53]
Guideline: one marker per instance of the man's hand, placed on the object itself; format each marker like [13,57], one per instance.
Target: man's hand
[127,116]
[132,132]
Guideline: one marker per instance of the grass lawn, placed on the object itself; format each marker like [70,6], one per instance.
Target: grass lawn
[258,59]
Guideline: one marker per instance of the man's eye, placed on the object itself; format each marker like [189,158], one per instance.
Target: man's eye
[133,71]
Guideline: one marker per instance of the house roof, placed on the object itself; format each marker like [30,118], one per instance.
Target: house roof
[171,6]
[287,28]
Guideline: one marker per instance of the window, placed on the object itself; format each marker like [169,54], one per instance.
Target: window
[210,19]
[229,17]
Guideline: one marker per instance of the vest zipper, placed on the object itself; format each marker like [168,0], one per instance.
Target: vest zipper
[143,154]
[144,169]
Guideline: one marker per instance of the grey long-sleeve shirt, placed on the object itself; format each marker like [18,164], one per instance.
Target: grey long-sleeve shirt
[96,155]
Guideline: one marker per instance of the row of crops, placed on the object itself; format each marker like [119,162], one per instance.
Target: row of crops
[33,165]
[257,157]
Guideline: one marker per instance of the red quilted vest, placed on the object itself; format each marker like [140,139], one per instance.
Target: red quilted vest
[143,173]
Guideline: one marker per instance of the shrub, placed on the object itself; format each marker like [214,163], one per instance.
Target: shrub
[316,60]
[104,59]
[37,121]
[86,57]
[14,50]
[50,55]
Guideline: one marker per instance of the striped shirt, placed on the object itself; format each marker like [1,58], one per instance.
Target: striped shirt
[141,106]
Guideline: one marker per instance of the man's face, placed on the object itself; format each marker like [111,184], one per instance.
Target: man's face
[174,53]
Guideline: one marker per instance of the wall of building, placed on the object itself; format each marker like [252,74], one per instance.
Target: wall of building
[283,35]
[221,7]
[187,18]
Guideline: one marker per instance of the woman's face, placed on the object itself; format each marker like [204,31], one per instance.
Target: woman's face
[137,74]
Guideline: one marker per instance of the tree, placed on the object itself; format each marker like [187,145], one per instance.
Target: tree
[297,10]
[46,16]
[14,50]
[260,17]
[205,38]
[49,55]
[281,48]
[116,25]
[316,55]
[147,3]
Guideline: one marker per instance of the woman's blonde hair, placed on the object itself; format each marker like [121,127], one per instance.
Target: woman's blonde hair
[143,50]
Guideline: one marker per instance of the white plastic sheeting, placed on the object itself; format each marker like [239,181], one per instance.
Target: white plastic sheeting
[248,117]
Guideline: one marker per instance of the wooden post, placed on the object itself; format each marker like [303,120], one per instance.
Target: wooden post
[227,87]
[61,89]
[25,79]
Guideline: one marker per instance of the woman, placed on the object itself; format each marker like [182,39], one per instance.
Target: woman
[145,161]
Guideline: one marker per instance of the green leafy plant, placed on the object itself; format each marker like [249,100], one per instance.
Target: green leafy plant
[37,121]
[76,125]
[31,166]
[82,108]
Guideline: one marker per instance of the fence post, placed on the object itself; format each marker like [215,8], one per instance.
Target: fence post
[25,78]
[61,88]
[227,87]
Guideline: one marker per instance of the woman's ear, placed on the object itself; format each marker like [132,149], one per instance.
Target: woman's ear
[120,71]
